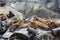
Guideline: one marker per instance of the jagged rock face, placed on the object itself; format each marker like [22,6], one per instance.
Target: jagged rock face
[31,7]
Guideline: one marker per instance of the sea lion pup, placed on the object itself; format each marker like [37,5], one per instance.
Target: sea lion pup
[35,24]
[36,18]
[52,24]
[3,16]
[15,24]
[56,23]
